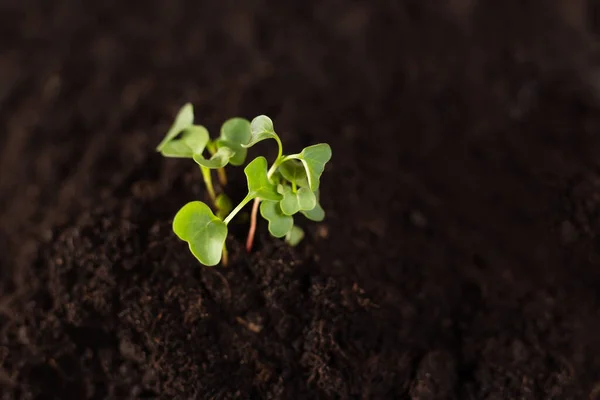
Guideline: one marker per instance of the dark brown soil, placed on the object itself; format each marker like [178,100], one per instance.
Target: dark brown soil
[460,257]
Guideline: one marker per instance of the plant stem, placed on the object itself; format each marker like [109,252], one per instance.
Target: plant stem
[252,230]
[212,149]
[273,168]
[208,183]
[280,149]
[237,209]
[222,176]
[280,158]
[225,257]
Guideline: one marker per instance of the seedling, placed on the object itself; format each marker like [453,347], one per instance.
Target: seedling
[288,187]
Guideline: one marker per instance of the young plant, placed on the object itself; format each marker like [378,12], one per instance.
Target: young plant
[288,187]
[186,140]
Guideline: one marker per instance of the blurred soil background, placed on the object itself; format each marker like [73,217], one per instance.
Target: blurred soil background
[460,256]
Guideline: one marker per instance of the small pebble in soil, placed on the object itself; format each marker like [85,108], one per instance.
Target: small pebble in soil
[418,219]
[322,231]
[251,326]
[23,336]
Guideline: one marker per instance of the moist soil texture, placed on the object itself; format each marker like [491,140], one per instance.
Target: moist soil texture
[460,255]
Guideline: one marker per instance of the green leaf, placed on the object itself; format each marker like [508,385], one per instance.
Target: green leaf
[205,233]
[294,236]
[235,132]
[293,171]
[176,149]
[183,120]
[261,128]
[192,141]
[279,223]
[317,214]
[302,199]
[196,137]
[262,123]
[276,177]
[224,205]
[218,160]
[306,199]
[258,183]
[314,159]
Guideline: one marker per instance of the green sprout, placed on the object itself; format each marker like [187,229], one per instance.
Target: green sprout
[288,187]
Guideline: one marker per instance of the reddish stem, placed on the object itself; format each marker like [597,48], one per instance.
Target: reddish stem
[252,230]
[222,176]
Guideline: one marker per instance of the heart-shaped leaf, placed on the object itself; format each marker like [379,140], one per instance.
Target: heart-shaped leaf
[261,128]
[317,214]
[235,133]
[258,182]
[279,223]
[196,138]
[192,141]
[314,159]
[205,233]
[218,160]
[176,149]
[293,171]
[294,236]
[292,202]
[183,120]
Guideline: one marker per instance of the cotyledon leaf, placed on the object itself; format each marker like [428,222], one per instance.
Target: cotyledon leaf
[314,159]
[196,138]
[261,128]
[202,230]
[279,223]
[218,160]
[183,120]
[317,214]
[292,202]
[258,182]
[294,171]
[235,133]
[192,141]
[176,149]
